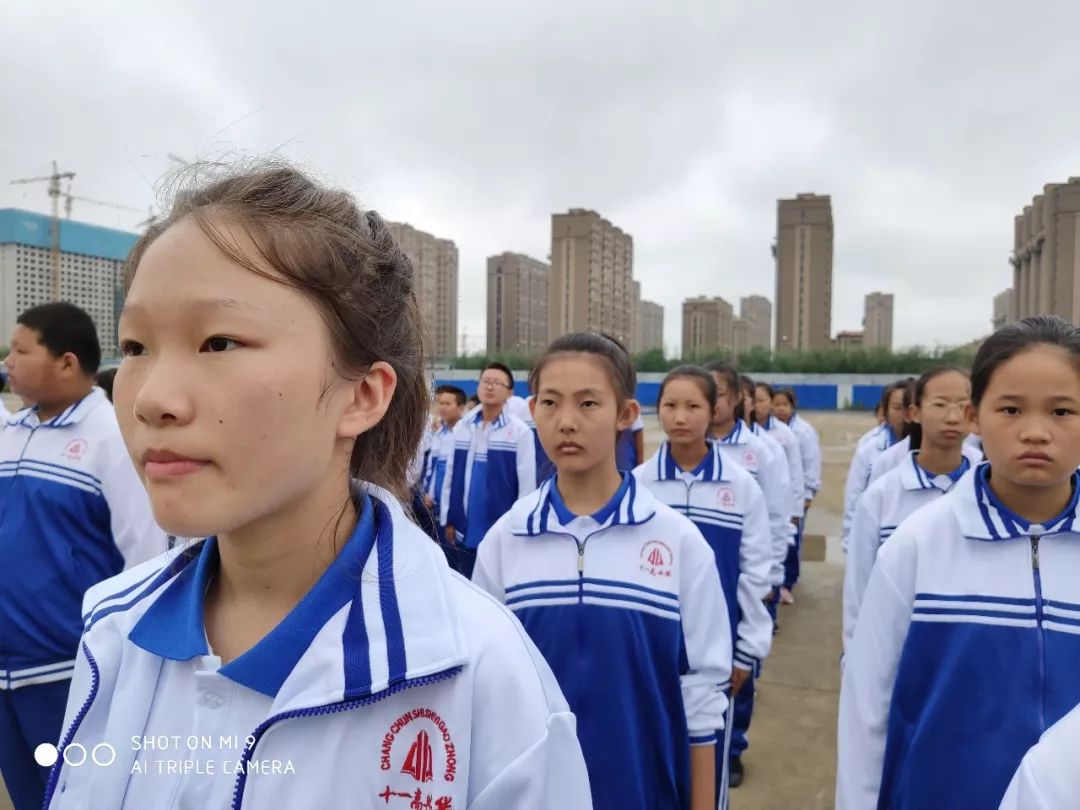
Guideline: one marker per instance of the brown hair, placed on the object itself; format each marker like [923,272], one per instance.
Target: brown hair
[348,265]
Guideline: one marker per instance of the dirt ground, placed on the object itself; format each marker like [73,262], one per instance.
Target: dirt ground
[791,762]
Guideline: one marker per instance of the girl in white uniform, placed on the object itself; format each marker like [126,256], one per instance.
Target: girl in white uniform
[873,444]
[315,650]
[939,426]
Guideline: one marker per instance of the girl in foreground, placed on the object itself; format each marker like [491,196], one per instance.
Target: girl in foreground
[620,593]
[314,650]
[689,474]
[965,650]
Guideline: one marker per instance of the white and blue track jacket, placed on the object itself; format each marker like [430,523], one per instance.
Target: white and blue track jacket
[966,650]
[1048,778]
[785,437]
[401,682]
[727,506]
[884,505]
[74,512]
[442,447]
[627,608]
[491,467]
[763,459]
[896,454]
[810,447]
[871,446]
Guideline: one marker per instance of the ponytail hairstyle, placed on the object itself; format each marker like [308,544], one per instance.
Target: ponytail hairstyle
[704,379]
[1011,340]
[918,389]
[616,358]
[345,261]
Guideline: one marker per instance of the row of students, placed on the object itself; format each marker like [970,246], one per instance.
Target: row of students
[964,651]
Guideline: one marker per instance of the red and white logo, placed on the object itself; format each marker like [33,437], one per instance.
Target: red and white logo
[750,460]
[75,449]
[725,497]
[656,558]
[419,758]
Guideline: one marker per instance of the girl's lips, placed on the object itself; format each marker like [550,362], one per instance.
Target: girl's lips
[163,470]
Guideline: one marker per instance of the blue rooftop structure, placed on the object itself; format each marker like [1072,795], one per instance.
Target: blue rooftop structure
[27,228]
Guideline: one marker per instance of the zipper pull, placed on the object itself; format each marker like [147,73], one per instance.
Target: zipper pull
[1035,551]
[580,558]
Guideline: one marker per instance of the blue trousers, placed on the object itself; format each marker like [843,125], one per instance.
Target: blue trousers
[740,721]
[791,562]
[29,717]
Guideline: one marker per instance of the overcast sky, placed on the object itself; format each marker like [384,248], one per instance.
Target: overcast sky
[931,124]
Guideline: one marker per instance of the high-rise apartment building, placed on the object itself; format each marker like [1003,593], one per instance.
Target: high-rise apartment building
[878,321]
[1046,254]
[849,341]
[652,326]
[635,317]
[753,328]
[91,270]
[708,326]
[591,273]
[804,262]
[1004,309]
[435,262]
[517,304]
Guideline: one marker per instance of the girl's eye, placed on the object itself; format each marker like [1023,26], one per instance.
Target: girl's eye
[218,344]
[547,403]
[131,348]
[589,403]
[1011,410]
[1062,412]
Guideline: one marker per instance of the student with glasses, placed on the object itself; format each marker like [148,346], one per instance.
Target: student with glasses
[493,463]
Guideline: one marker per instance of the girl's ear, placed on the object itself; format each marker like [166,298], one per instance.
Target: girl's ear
[629,414]
[912,414]
[972,418]
[368,400]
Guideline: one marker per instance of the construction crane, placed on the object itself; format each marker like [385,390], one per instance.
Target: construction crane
[68,197]
[54,226]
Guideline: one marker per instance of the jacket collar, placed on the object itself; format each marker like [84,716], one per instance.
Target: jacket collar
[983,517]
[388,589]
[914,477]
[740,434]
[542,511]
[476,419]
[662,466]
[71,415]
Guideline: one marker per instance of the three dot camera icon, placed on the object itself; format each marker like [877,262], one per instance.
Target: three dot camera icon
[75,755]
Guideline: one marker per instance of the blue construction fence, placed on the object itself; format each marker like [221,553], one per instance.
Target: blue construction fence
[851,391]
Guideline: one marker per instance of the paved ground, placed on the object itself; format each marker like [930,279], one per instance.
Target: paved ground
[790,764]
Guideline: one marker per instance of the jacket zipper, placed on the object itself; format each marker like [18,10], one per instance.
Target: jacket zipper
[95,679]
[321,711]
[1037,576]
[580,571]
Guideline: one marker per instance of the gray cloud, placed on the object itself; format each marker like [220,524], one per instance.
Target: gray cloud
[931,124]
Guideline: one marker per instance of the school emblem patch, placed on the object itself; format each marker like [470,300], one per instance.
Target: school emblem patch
[75,449]
[656,558]
[418,749]
[749,459]
[725,497]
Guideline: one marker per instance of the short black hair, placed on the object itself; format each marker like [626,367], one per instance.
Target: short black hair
[105,379]
[64,328]
[1011,340]
[500,367]
[473,398]
[456,392]
[620,366]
